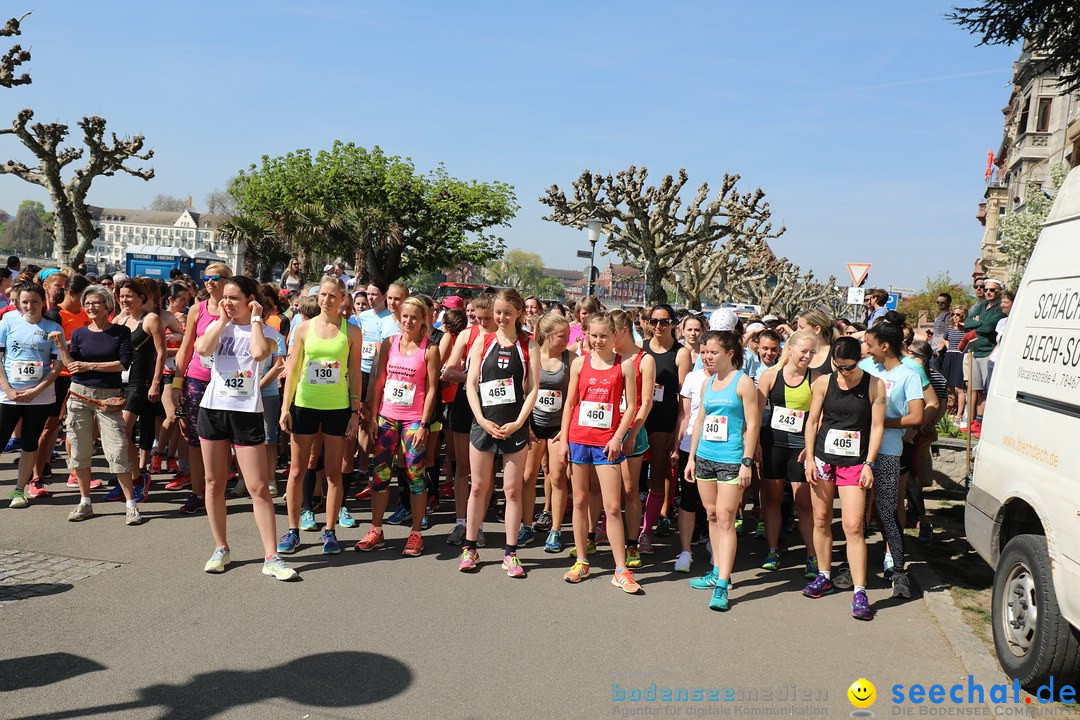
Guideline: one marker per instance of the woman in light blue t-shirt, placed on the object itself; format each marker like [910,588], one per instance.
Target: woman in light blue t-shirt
[904,405]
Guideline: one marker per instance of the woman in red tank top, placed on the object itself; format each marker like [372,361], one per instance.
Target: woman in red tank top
[595,427]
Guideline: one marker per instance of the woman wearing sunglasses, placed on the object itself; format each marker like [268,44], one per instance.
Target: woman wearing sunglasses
[672,365]
[843,430]
[192,377]
[952,363]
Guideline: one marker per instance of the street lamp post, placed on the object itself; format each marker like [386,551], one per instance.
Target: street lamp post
[678,279]
[594,227]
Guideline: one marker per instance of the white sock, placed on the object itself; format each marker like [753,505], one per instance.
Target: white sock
[84,500]
[129,503]
[461,521]
[826,573]
[860,588]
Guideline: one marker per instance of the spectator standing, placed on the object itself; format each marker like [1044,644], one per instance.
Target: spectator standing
[983,320]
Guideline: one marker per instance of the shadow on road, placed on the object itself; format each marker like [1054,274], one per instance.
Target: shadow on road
[24,591]
[327,680]
[46,669]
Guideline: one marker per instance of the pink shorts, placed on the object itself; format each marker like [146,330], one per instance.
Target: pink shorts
[841,475]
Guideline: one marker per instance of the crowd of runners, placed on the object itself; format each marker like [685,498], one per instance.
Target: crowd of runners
[635,424]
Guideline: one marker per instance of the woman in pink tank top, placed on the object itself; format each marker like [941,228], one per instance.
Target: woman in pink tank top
[404,390]
[192,377]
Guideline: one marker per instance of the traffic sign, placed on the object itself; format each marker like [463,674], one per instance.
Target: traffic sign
[584,254]
[894,300]
[856,295]
[858,271]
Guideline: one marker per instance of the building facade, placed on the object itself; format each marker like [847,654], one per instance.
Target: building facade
[621,285]
[186,230]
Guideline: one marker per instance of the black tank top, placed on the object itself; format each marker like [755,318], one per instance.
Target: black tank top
[141,371]
[845,412]
[665,409]
[502,376]
[824,368]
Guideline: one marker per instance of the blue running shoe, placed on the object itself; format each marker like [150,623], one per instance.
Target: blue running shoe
[401,516]
[887,567]
[307,521]
[288,542]
[345,518]
[818,587]
[719,599]
[424,522]
[554,542]
[706,581]
[117,493]
[525,535]
[330,544]
[13,445]
[860,607]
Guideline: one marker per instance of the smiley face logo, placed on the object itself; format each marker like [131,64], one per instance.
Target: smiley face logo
[862,693]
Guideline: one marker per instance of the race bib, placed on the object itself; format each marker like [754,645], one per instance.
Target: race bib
[845,443]
[622,402]
[399,392]
[595,414]
[238,384]
[788,420]
[27,370]
[549,401]
[658,393]
[367,350]
[715,428]
[497,392]
[323,373]
[207,361]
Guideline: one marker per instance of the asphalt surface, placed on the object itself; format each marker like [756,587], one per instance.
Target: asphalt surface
[121,622]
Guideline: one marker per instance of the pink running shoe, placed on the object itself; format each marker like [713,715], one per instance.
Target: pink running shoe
[512,566]
[470,560]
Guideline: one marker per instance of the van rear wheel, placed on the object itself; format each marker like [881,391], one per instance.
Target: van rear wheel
[1032,639]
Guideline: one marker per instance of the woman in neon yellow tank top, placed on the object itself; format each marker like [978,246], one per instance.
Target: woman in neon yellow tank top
[321,400]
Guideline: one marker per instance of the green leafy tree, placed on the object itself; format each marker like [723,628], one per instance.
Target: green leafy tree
[1020,230]
[518,269]
[376,207]
[550,287]
[924,304]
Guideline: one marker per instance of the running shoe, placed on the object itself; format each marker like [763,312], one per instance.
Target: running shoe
[81,512]
[665,527]
[860,607]
[760,532]
[633,558]
[577,572]
[288,542]
[512,566]
[888,567]
[364,494]
[36,489]
[432,503]
[554,542]
[18,499]
[481,539]
[330,544]
[414,546]
[95,483]
[307,521]
[682,561]
[901,584]
[719,599]
[590,549]
[179,482]
[601,532]
[525,535]
[542,522]
[373,540]
[644,544]
[811,571]
[841,579]
[345,519]
[625,580]
[446,491]
[424,522]
[47,470]
[738,527]
[275,567]
[470,560]
[172,465]
[926,533]
[132,516]
[117,493]
[72,480]
[155,463]
[401,516]
[772,562]
[820,586]
[456,536]
[217,561]
[13,445]
[706,581]
[192,505]
[143,487]
[274,492]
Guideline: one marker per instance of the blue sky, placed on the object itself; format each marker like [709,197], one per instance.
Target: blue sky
[867,124]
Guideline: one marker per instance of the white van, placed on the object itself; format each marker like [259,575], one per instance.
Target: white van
[1023,510]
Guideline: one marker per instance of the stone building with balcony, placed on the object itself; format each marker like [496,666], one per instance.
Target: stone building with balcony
[193,232]
[1041,129]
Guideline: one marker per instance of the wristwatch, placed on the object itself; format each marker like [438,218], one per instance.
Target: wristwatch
[426,424]
[748,462]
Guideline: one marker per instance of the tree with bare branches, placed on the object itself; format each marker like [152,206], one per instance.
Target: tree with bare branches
[649,227]
[73,228]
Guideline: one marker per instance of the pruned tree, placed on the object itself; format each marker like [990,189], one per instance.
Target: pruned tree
[14,56]
[219,202]
[162,201]
[1051,28]
[73,228]
[649,227]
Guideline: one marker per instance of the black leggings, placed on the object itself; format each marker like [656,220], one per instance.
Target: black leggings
[33,422]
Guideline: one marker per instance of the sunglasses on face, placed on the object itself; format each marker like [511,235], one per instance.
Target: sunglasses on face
[979,287]
[992,289]
[211,278]
[846,368]
[660,321]
[959,315]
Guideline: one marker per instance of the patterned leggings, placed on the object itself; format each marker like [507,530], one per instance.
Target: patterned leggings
[394,434]
[886,489]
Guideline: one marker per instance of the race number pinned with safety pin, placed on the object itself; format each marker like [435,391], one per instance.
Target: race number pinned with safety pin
[595,414]
[788,420]
[497,392]
[399,392]
[715,428]
[843,443]
[238,384]
[367,350]
[323,372]
[27,370]
[549,401]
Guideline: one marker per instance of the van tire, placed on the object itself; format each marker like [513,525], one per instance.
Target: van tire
[1052,647]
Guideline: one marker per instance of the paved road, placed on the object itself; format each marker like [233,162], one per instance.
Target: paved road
[125,625]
